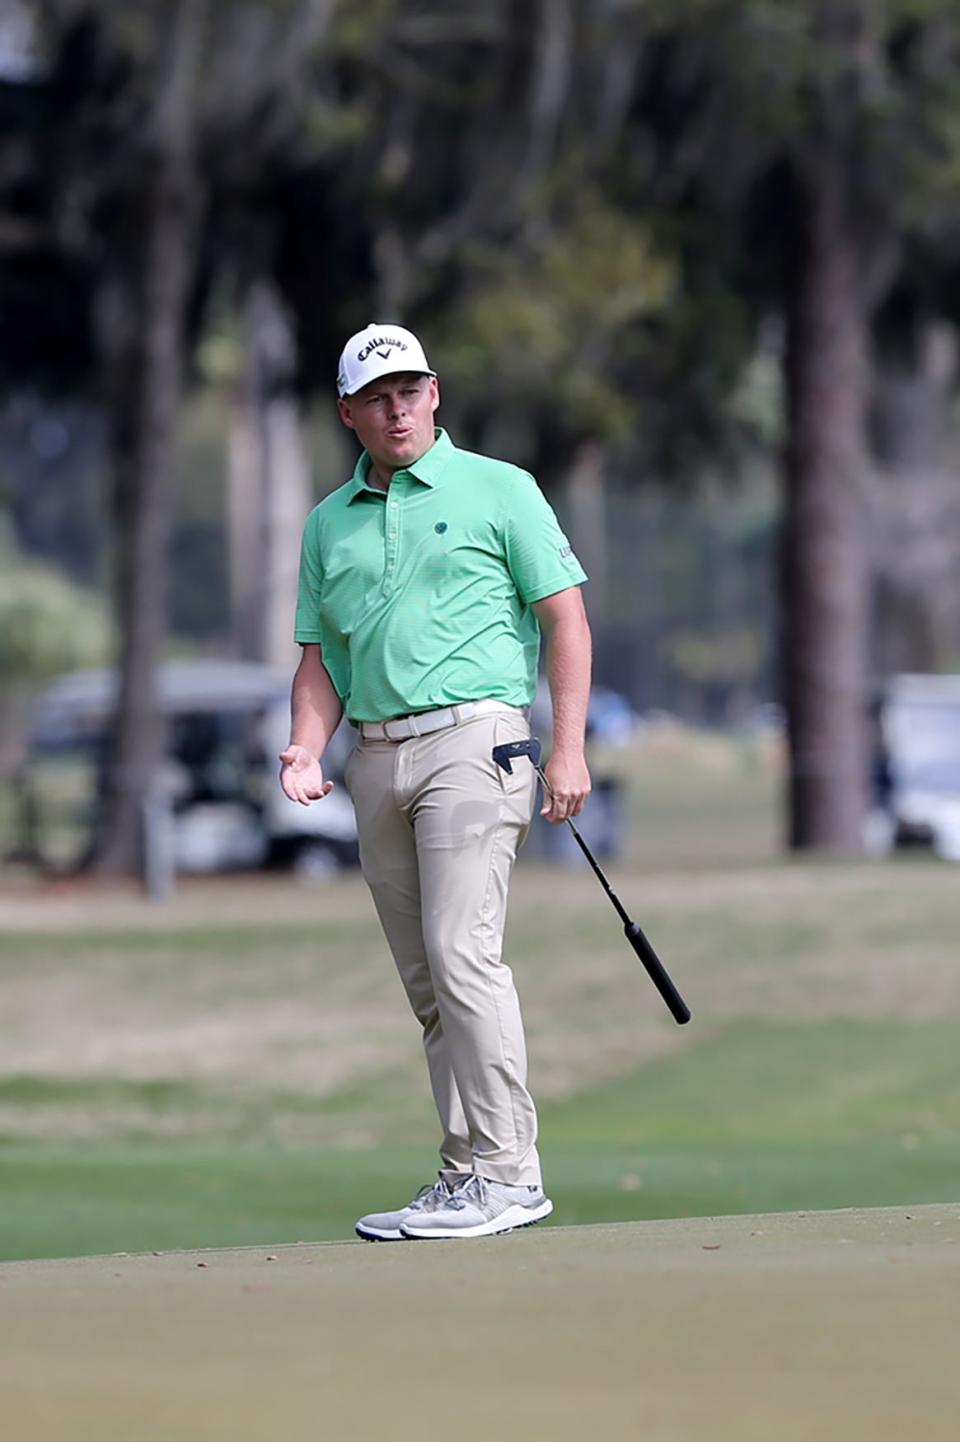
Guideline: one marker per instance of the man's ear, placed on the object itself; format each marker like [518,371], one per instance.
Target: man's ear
[435,390]
[343,406]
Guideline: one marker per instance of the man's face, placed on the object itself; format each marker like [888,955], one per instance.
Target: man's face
[393,419]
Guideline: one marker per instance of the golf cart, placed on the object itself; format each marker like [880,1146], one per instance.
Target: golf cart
[917,766]
[225,723]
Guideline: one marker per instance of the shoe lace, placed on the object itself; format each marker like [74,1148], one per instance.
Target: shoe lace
[433,1191]
[473,1190]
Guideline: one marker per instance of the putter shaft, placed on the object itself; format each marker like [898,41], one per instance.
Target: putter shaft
[652,964]
[588,854]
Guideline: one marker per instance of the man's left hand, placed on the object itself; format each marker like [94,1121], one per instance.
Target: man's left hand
[570,785]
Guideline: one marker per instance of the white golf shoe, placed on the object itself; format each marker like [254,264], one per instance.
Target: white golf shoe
[385,1226]
[479,1208]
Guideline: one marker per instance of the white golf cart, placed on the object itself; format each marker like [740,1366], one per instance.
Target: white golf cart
[917,766]
[225,723]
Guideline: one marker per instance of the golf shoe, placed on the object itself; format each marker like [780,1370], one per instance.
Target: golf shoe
[479,1208]
[385,1226]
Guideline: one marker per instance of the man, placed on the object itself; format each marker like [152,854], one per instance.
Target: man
[424,584]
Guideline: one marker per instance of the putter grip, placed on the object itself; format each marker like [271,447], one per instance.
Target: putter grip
[656,971]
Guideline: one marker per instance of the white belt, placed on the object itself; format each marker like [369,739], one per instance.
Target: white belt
[404,727]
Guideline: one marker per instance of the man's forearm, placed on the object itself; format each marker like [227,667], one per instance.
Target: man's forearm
[568,672]
[315,706]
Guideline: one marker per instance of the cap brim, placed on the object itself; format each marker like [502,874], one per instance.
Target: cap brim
[390,371]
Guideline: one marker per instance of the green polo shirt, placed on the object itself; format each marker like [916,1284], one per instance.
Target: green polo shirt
[421,596]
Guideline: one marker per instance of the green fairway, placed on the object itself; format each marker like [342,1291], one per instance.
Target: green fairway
[823,1327]
[754,1118]
[67,1202]
[240,1065]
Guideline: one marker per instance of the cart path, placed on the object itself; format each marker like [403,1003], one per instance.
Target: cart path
[802,1327]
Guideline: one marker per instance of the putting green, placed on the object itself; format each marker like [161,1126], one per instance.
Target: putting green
[825,1327]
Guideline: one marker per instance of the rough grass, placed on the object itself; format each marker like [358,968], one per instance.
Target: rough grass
[252,1036]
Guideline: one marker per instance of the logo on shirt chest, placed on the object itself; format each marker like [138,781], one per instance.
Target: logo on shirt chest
[440,527]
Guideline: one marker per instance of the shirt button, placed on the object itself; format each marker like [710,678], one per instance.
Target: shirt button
[393,535]
[393,505]
[390,566]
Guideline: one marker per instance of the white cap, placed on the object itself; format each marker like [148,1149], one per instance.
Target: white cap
[379,350]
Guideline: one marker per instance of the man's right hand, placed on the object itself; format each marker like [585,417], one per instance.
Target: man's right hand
[301,776]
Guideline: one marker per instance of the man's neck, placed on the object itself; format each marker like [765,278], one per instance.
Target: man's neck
[378,477]
[381,476]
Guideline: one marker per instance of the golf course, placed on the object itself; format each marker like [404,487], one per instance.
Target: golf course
[840,1325]
[757,1215]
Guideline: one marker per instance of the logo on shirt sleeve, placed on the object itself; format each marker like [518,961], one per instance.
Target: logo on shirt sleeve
[565,552]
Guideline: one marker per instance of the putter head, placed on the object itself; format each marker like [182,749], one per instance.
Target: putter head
[504,755]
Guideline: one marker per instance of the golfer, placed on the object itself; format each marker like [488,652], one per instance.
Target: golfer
[425,583]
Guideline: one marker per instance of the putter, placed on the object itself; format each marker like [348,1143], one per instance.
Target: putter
[504,757]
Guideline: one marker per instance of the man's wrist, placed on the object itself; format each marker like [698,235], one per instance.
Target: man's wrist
[568,751]
[568,741]
[299,746]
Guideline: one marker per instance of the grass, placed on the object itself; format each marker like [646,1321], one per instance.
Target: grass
[697,799]
[240,1067]
[798,1327]
[67,1201]
[755,1119]
[832,1082]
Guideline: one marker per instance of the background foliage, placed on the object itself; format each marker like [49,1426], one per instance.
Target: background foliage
[658,248]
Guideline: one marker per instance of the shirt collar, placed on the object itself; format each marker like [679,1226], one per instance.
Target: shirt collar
[428,469]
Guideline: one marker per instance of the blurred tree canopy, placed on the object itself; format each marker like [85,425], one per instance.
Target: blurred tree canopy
[598,211]
[47,625]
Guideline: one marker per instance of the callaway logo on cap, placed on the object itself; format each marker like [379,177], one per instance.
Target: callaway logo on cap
[379,350]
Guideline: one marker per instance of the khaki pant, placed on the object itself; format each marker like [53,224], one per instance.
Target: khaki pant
[440,826]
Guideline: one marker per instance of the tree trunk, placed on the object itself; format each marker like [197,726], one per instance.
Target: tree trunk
[824,573]
[146,348]
[587,512]
[244,525]
[269,484]
[285,477]
[914,501]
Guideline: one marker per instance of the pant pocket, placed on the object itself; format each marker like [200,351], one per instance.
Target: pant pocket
[508,727]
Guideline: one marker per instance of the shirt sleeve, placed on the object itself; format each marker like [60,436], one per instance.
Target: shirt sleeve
[539,556]
[307,625]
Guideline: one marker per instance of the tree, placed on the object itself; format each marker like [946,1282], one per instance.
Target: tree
[816,130]
[593,208]
[47,625]
[144,331]
[142,179]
